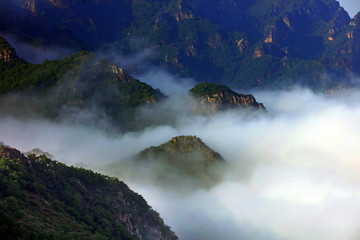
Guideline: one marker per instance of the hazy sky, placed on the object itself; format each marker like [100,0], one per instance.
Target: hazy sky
[351,6]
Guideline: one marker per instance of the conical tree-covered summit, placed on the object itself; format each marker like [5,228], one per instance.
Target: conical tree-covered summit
[184,161]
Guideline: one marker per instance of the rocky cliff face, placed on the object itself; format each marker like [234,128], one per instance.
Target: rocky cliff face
[356,58]
[289,26]
[273,39]
[346,45]
[210,98]
[11,153]
[7,53]
[51,200]
[354,40]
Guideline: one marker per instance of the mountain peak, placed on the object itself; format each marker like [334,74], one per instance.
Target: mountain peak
[211,98]
[184,159]
[38,152]
[182,145]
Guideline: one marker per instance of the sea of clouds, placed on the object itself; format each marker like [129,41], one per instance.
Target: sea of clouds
[294,171]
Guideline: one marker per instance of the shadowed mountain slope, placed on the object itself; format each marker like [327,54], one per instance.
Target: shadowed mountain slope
[241,43]
[44,199]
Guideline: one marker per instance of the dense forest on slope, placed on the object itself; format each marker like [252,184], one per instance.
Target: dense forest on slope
[44,199]
[81,81]
[207,89]
[240,43]
[84,84]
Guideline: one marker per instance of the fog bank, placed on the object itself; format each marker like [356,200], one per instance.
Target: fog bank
[294,175]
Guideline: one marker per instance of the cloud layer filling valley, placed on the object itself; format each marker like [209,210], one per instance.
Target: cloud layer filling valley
[294,175]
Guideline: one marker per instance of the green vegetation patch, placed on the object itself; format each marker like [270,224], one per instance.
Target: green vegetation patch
[207,89]
[45,199]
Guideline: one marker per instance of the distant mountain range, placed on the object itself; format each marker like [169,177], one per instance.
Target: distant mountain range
[241,43]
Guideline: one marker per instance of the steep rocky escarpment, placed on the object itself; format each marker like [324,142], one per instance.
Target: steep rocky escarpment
[7,52]
[347,47]
[210,98]
[356,52]
[44,199]
[240,43]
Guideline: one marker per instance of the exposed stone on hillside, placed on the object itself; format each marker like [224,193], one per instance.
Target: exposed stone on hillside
[348,53]
[242,43]
[10,153]
[210,98]
[7,53]
[182,13]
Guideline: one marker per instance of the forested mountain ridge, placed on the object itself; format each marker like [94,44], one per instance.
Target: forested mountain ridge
[84,84]
[45,199]
[81,81]
[244,44]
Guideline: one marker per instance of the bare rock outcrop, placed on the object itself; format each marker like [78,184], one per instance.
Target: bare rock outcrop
[7,53]
[210,98]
